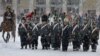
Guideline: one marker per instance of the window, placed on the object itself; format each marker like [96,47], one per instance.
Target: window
[40,1]
[73,5]
[18,1]
[40,10]
[56,2]
[73,2]
[26,10]
[8,1]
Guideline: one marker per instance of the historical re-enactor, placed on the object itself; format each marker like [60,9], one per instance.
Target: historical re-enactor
[56,38]
[94,39]
[35,34]
[45,31]
[22,31]
[76,37]
[65,36]
[8,22]
[86,38]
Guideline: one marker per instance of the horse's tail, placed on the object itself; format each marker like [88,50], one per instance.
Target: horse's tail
[13,33]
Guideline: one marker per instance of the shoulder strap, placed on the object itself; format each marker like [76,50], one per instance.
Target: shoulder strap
[94,30]
[55,26]
[74,28]
[43,26]
[35,27]
[64,27]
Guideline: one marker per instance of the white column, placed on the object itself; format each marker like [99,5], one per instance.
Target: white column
[64,6]
[15,6]
[47,6]
[81,7]
[98,7]
[31,5]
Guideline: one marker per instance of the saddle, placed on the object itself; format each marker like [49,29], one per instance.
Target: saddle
[7,26]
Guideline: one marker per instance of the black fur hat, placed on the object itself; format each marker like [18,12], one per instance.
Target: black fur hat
[23,19]
[45,18]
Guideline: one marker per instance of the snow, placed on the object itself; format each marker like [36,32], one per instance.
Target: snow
[13,49]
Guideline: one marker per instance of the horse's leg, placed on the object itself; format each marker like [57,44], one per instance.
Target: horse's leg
[3,36]
[13,34]
[14,38]
[8,36]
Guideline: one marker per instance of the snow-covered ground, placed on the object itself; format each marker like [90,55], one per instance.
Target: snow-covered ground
[13,49]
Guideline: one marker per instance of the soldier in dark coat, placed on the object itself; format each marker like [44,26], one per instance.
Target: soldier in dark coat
[45,31]
[57,30]
[45,36]
[65,36]
[29,33]
[23,34]
[76,37]
[35,34]
[52,35]
[86,38]
[94,39]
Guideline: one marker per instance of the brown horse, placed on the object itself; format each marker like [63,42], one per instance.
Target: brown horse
[8,25]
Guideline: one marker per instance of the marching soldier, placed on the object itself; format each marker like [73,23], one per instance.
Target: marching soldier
[57,30]
[45,31]
[35,34]
[45,36]
[52,35]
[65,36]
[22,31]
[29,33]
[76,37]
[86,37]
[94,39]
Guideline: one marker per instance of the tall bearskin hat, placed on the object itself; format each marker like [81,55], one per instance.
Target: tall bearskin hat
[44,18]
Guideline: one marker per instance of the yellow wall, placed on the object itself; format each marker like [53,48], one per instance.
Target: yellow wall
[89,5]
[24,4]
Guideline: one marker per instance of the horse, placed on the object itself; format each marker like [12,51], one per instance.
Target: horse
[8,25]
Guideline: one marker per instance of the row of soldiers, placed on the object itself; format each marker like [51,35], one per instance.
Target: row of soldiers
[56,34]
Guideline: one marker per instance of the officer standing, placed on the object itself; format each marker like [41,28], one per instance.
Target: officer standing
[57,30]
[45,31]
[86,37]
[76,37]
[22,33]
[35,34]
[94,38]
[65,36]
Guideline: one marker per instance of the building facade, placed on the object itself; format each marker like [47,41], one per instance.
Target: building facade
[48,6]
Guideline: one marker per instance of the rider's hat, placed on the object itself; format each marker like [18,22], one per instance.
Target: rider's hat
[8,7]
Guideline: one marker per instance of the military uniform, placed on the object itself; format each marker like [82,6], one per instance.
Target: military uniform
[76,38]
[86,38]
[23,35]
[35,34]
[94,39]
[57,30]
[29,34]
[45,40]
[65,38]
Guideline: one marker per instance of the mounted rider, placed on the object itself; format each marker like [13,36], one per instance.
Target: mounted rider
[8,20]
